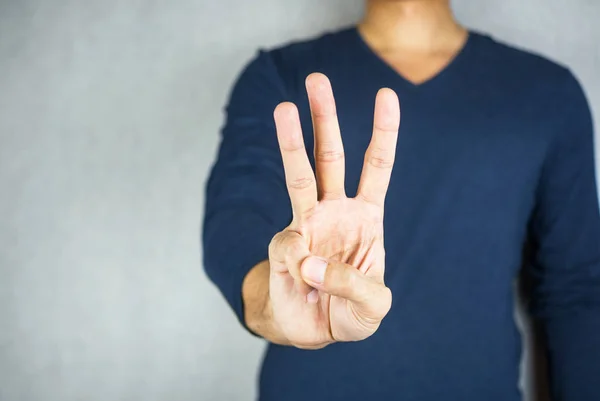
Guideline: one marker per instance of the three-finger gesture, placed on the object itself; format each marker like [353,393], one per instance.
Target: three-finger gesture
[327,268]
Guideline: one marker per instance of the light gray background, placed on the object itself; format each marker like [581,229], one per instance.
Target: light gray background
[109,119]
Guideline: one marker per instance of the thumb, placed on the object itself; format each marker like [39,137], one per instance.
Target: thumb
[371,298]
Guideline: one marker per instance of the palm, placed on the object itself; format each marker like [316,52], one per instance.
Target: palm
[348,230]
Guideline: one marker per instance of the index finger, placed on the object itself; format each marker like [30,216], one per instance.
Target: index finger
[379,158]
[299,175]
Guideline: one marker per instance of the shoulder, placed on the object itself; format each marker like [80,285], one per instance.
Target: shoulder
[519,61]
[526,77]
[293,61]
[277,74]
[309,50]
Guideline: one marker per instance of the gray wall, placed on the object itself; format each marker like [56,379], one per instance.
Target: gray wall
[109,114]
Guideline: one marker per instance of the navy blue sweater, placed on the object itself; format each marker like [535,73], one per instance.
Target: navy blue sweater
[494,153]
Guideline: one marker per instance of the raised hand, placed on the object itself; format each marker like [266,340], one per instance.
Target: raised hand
[326,279]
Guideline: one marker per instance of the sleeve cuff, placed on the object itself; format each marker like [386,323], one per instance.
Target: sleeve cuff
[233,244]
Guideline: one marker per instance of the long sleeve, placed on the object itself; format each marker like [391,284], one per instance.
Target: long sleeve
[246,197]
[566,264]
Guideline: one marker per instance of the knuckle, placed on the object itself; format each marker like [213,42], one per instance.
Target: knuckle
[346,279]
[385,301]
[287,249]
[301,183]
[389,126]
[274,245]
[329,156]
[295,247]
[379,159]
[277,245]
[292,250]
[292,146]
[387,296]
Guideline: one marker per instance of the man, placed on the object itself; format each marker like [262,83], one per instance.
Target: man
[495,151]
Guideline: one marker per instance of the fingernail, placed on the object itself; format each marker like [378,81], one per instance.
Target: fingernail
[313,297]
[314,269]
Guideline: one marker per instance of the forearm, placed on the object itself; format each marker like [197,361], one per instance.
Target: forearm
[574,345]
[257,306]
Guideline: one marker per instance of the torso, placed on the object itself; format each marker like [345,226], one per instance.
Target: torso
[471,146]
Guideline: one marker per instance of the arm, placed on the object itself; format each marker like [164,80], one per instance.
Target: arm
[287,300]
[566,266]
[246,197]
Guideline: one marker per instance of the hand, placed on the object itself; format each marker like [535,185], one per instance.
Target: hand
[327,268]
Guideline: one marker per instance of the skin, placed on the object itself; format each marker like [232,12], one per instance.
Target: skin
[417,38]
[324,280]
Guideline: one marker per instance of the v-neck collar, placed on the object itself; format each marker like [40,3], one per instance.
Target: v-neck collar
[454,64]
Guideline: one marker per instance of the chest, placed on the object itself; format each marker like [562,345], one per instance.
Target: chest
[461,159]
